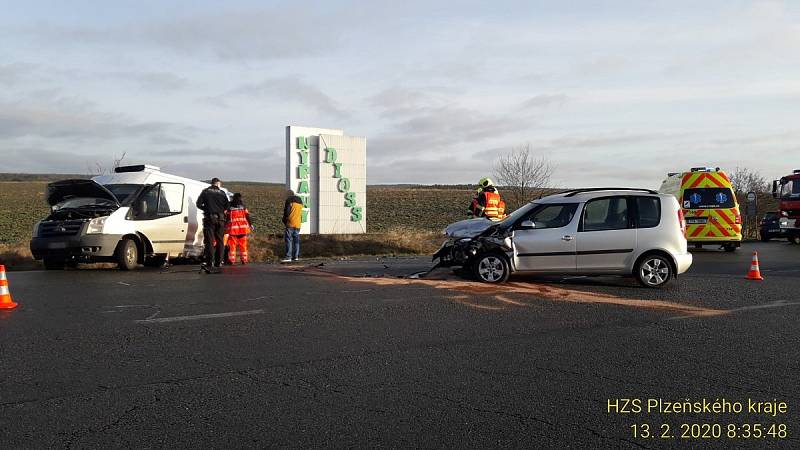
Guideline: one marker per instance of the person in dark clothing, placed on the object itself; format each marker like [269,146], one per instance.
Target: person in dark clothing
[213,202]
[293,220]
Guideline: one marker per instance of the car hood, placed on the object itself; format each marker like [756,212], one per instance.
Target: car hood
[63,190]
[468,228]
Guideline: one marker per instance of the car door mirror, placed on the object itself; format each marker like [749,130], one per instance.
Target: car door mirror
[527,225]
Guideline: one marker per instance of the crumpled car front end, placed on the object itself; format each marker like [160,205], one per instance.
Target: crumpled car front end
[468,238]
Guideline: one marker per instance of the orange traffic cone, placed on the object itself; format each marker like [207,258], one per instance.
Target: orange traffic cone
[755,272]
[5,294]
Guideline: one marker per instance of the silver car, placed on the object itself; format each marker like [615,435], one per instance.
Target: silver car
[609,231]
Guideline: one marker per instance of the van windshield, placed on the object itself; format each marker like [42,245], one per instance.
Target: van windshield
[123,192]
[708,198]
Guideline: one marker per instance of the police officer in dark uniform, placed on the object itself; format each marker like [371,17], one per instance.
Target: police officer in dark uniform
[213,202]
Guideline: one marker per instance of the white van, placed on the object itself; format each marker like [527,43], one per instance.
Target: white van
[137,215]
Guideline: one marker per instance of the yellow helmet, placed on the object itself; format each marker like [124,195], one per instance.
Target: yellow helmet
[485,182]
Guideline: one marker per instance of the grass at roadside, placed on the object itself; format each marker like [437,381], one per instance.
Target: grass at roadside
[270,248]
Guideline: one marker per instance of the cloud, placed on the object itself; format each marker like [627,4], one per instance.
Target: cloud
[279,32]
[46,114]
[543,101]
[13,73]
[292,88]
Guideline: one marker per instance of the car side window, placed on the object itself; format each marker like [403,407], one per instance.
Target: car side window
[603,214]
[553,216]
[648,211]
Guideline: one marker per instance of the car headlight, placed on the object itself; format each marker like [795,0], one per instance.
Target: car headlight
[96,225]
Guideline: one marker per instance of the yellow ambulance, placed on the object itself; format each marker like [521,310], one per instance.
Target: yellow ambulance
[709,207]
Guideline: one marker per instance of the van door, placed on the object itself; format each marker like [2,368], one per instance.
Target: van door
[544,241]
[159,214]
[606,235]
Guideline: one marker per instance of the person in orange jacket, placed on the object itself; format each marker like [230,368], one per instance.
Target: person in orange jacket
[487,202]
[237,227]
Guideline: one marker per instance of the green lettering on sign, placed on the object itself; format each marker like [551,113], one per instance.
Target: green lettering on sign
[356,214]
[344,185]
[302,143]
[302,171]
[303,157]
[304,199]
[350,199]
[303,189]
[337,170]
[303,216]
[330,156]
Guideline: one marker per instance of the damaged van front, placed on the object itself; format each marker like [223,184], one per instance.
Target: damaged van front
[73,232]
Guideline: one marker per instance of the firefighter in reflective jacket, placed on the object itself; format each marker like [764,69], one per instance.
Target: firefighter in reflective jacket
[237,227]
[487,202]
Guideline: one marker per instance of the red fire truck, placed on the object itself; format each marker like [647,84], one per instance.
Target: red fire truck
[787,191]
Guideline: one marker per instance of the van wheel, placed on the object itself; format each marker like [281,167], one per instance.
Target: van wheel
[653,271]
[127,254]
[729,247]
[491,268]
[53,264]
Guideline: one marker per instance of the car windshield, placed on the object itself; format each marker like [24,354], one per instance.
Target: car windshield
[85,203]
[708,198]
[520,212]
[123,192]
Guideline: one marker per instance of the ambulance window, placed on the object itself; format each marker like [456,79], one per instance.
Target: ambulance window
[708,198]
[171,199]
[648,211]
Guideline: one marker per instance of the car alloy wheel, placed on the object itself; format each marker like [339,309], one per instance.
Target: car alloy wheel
[654,271]
[492,269]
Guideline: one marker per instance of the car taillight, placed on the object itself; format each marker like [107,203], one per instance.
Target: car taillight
[682,221]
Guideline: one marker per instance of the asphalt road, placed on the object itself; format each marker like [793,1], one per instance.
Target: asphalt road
[348,354]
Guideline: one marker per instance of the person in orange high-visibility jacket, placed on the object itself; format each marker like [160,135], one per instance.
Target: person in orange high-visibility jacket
[487,202]
[237,227]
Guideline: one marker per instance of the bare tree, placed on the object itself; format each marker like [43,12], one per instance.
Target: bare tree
[746,180]
[100,169]
[524,174]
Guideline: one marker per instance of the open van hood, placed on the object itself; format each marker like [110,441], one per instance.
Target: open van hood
[62,190]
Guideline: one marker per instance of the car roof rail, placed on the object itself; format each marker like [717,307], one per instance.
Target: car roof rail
[574,192]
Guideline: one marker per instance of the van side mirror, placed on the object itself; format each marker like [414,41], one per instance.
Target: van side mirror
[774,188]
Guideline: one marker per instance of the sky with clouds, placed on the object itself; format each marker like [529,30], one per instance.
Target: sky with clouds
[612,92]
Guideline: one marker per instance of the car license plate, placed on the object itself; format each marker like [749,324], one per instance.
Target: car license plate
[696,220]
[57,245]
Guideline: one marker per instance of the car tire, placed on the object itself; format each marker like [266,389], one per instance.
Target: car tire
[491,268]
[127,254]
[795,239]
[765,238]
[54,264]
[653,271]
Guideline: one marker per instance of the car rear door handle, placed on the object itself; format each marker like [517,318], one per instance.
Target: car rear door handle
[567,238]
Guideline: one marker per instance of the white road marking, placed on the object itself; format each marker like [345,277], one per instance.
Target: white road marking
[123,283]
[201,316]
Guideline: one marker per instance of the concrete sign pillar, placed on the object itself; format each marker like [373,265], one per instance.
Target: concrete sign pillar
[328,170]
